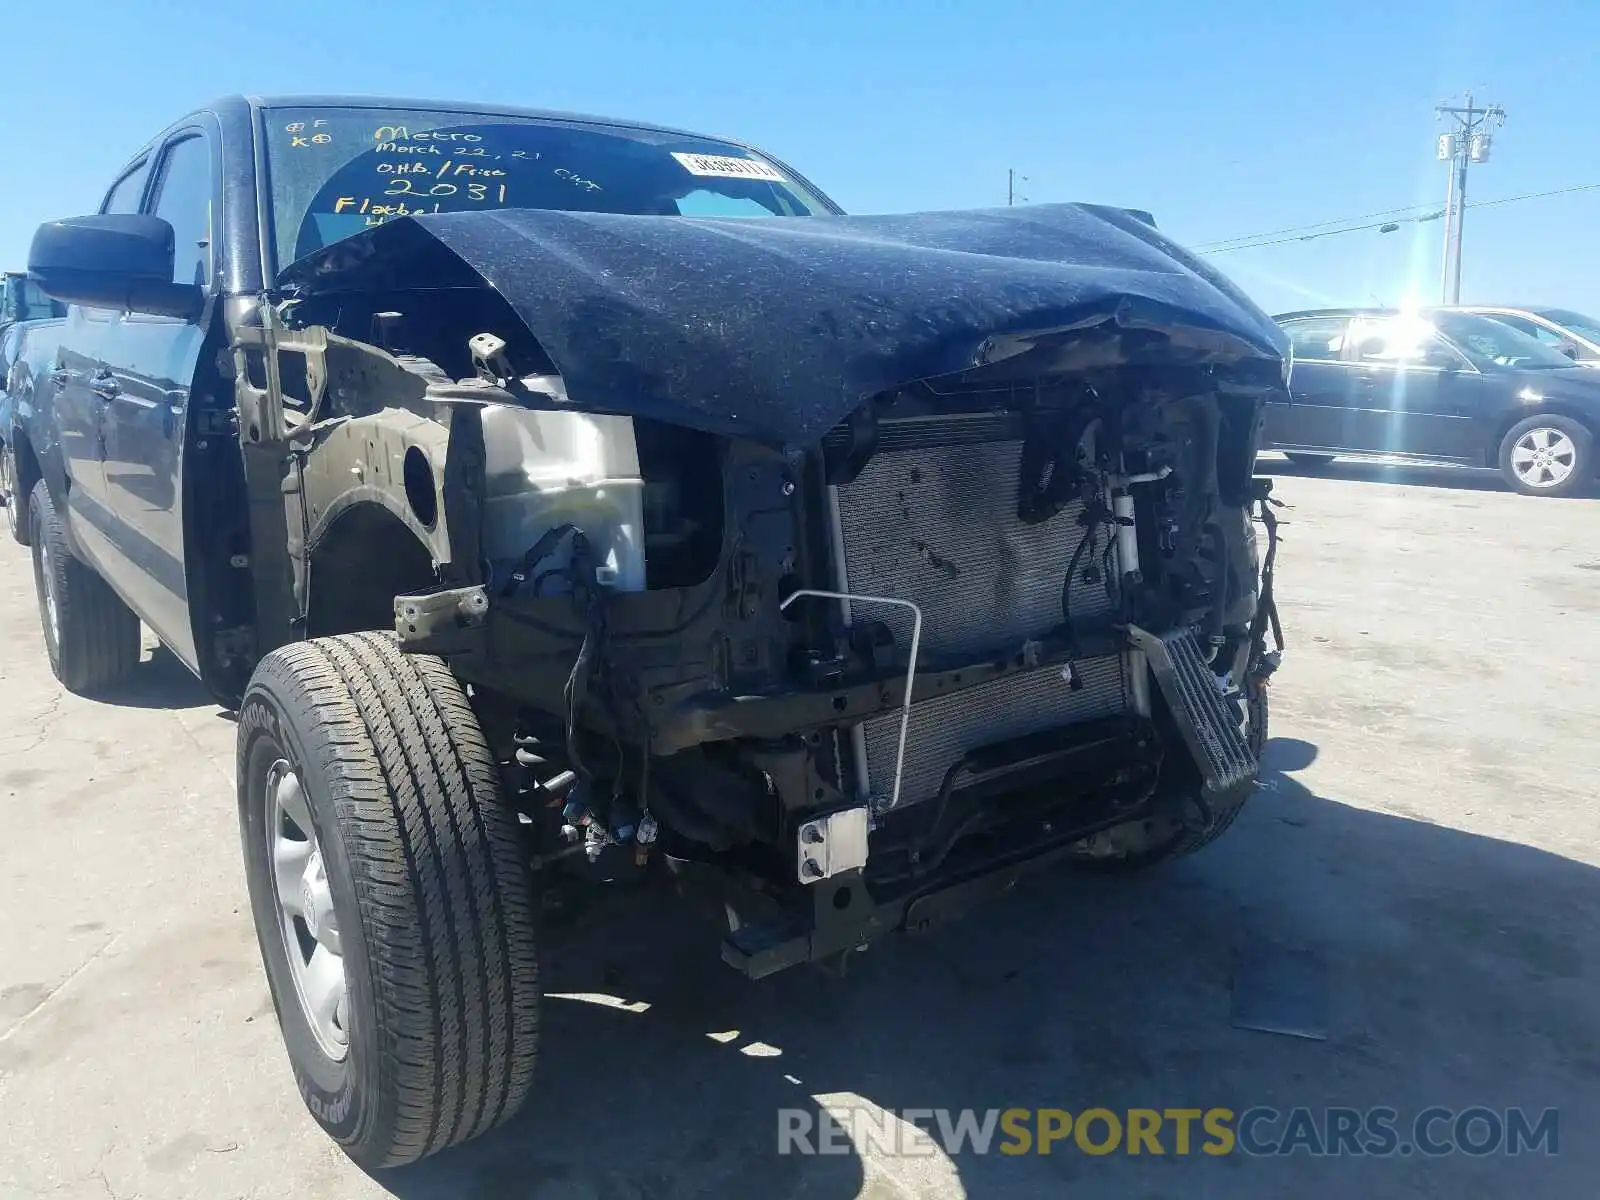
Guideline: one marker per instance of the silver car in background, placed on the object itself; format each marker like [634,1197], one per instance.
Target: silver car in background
[1572,333]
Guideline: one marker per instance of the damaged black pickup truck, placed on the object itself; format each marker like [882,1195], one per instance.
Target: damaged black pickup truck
[558,499]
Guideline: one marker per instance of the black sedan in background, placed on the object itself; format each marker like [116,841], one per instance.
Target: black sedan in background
[1437,384]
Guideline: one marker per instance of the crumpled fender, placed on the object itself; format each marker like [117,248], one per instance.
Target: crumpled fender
[778,328]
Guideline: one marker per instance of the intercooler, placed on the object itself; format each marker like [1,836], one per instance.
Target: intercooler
[935,522]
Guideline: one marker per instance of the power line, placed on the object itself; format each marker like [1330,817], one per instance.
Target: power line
[1579,187]
[1251,242]
[1265,233]
[1310,237]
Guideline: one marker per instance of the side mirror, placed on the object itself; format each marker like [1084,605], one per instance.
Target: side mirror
[121,261]
[1570,351]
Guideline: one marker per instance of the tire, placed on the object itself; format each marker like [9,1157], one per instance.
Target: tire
[16,505]
[1552,445]
[91,636]
[1141,844]
[1308,461]
[420,867]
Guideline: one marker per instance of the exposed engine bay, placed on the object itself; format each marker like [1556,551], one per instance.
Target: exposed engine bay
[867,656]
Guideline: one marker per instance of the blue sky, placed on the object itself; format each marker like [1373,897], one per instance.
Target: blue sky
[1224,118]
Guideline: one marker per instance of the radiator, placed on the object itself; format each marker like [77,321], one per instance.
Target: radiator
[937,525]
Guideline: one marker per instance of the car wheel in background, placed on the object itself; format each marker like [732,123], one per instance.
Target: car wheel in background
[92,637]
[1547,455]
[392,902]
[1309,460]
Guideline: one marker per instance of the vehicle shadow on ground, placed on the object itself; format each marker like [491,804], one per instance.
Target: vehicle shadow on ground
[160,681]
[1461,479]
[1460,971]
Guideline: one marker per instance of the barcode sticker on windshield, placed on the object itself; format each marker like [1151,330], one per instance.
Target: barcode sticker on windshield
[728,167]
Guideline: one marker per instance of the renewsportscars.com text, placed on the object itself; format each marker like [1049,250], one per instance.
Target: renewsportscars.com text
[1259,1131]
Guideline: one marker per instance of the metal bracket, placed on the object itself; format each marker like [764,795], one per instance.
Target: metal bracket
[911,666]
[832,844]
[418,618]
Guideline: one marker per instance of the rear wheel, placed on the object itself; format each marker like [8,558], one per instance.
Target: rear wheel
[391,899]
[92,637]
[16,505]
[1547,455]
[1308,461]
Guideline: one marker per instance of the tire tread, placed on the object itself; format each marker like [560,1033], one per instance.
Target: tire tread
[100,641]
[440,883]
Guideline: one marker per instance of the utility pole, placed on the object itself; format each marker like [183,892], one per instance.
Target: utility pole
[1468,142]
[1011,187]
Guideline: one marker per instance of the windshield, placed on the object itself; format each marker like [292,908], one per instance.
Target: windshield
[1584,327]
[1487,339]
[336,171]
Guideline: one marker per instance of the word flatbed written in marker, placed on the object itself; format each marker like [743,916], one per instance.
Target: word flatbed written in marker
[376,213]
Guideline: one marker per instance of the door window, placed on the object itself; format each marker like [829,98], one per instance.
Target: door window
[1522,325]
[1400,342]
[183,200]
[126,192]
[1533,329]
[1317,337]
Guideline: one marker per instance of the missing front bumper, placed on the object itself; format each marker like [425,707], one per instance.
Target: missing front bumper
[1006,811]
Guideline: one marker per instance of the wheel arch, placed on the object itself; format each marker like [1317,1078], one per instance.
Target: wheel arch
[366,550]
[373,504]
[29,472]
[1551,407]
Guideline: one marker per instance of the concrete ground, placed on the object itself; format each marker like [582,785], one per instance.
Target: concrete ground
[1426,838]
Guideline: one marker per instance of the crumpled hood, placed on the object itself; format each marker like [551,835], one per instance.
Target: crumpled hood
[779,328]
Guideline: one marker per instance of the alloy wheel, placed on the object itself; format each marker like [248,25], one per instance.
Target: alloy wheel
[47,586]
[306,919]
[1544,457]
[8,473]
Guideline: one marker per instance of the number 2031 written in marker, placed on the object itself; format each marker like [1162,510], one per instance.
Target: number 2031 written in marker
[473,191]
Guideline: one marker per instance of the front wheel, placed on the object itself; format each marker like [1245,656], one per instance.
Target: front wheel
[1547,455]
[391,899]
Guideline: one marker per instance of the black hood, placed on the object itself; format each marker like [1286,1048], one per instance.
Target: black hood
[779,328]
